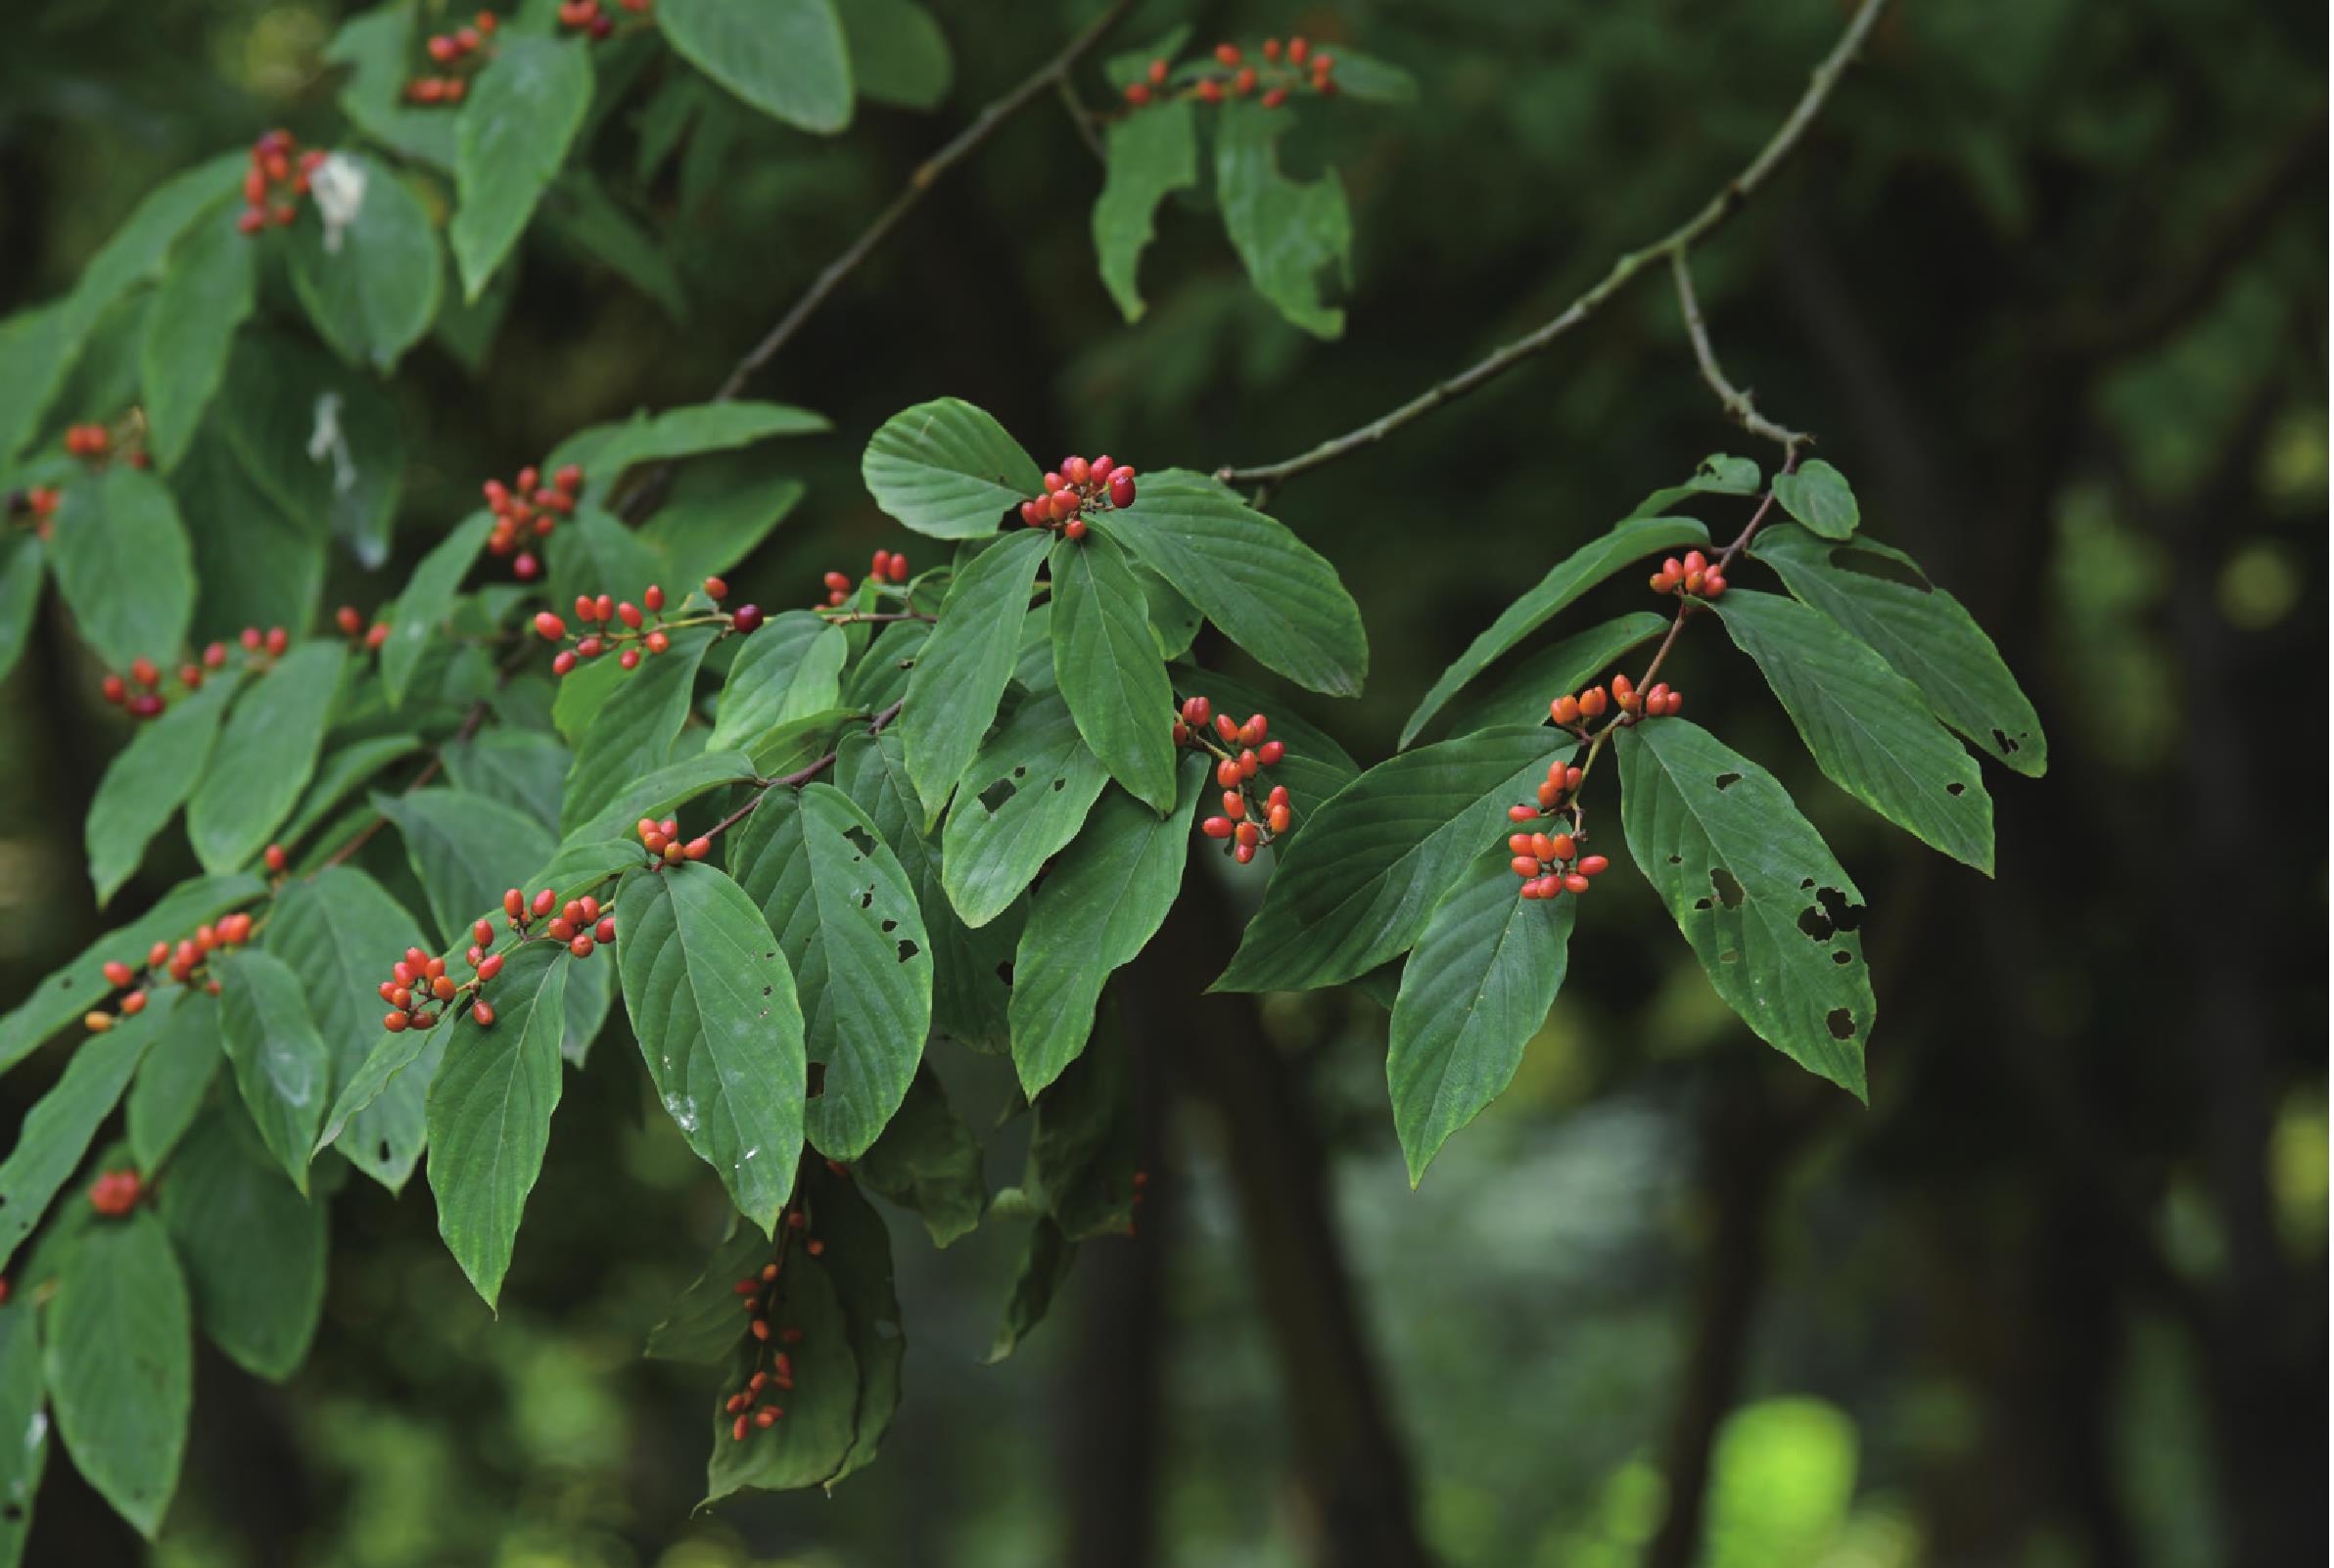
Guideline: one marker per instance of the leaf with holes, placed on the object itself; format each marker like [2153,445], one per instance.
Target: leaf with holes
[282,1066]
[123,565]
[264,757]
[521,114]
[1819,495]
[954,689]
[118,1360]
[1106,666]
[1764,906]
[372,285]
[714,1011]
[1476,988]
[1869,729]
[785,58]
[183,357]
[1357,888]
[55,1134]
[1022,798]
[946,469]
[1716,475]
[1147,156]
[252,1248]
[846,918]
[1293,236]
[928,1161]
[790,669]
[148,780]
[1921,630]
[633,732]
[466,849]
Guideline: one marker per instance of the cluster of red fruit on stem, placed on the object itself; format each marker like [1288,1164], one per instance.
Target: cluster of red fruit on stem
[663,840]
[1656,701]
[1289,67]
[588,16]
[355,628]
[458,52]
[167,963]
[887,566]
[1693,578]
[276,182]
[1550,863]
[115,1193]
[580,924]
[1240,749]
[141,694]
[621,627]
[38,504]
[759,1294]
[1079,485]
[528,509]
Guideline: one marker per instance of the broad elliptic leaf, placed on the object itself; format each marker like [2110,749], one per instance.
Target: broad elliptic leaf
[148,780]
[846,921]
[490,1110]
[1627,541]
[1869,729]
[21,559]
[371,282]
[1107,897]
[206,296]
[606,452]
[714,1008]
[785,58]
[857,1260]
[120,1354]
[466,849]
[1476,988]
[812,1442]
[633,732]
[1523,695]
[23,1428]
[256,564]
[899,55]
[659,793]
[1149,154]
[592,553]
[252,1248]
[1765,908]
[381,46]
[282,1065]
[704,1324]
[56,1132]
[701,533]
[1358,886]
[123,565]
[264,757]
[523,769]
[946,469]
[954,689]
[1819,495]
[521,114]
[1921,630]
[1290,235]
[321,440]
[420,612]
[790,669]
[174,1079]
[1022,798]
[1260,583]
[928,1161]
[1106,664]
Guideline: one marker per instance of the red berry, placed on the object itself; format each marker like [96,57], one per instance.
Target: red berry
[1523,813]
[654,598]
[1122,489]
[697,848]
[1138,94]
[1271,753]
[1228,54]
[275,857]
[1275,97]
[605,931]
[1592,864]
[656,642]
[1279,818]
[1236,805]
[1248,835]
[745,621]
[395,1023]
[716,589]
[1525,866]
[630,614]
[1074,528]
[544,902]
[581,946]
[118,975]
[1217,827]
[563,662]
[482,1015]
[490,966]
[549,626]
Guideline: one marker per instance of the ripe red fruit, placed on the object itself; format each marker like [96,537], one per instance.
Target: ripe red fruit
[715,589]
[1591,865]
[654,598]
[118,975]
[1227,54]
[1275,97]
[1236,805]
[582,946]
[490,966]
[1217,827]
[482,1015]
[1271,753]
[1074,528]
[275,857]
[1575,882]
[1157,71]
[544,902]
[1248,835]
[1138,94]
[395,1023]
[1195,709]
[1279,817]
[1225,729]
[1228,773]
[1242,853]
[1564,711]
[1712,585]
[1122,488]
[1245,82]
[897,571]
[605,931]
[839,584]
[656,642]
[549,626]
[1592,702]
[629,659]
[1525,866]
[745,622]
[1523,813]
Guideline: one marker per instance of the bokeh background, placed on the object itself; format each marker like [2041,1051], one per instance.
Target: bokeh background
[2049,282]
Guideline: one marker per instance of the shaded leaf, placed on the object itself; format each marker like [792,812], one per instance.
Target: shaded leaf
[282,1065]
[1819,495]
[264,757]
[206,296]
[633,731]
[929,1160]
[790,669]
[173,1080]
[899,55]
[466,849]
[252,1248]
[1148,156]
[785,58]
[148,780]
[372,286]
[120,1351]
[1290,235]
[57,1132]
[1107,667]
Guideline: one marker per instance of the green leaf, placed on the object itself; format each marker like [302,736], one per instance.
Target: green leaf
[791,668]
[1289,235]
[814,1439]
[1359,885]
[1269,592]
[466,849]
[583,692]
[1476,990]
[633,734]
[1107,667]
[592,554]
[928,1161]
[21,559]
[846,919]
[857,1263]
[120,1365]
[1022,798]
[525,769]
[1765,908]
[1628,541]
[490,1111]
[785,58]
[946,469]
[124,566]
[206,296]
[340,931]
[1149,154]
[660,793]
[1367,79]
[704,1325]
[1314,767]
[264,757]
[583,213]
[1105,899]
[282,1065]
[1869,729]
[339,775]
[1716,475]
[174,1079]
[23,1429]
[715,1011]
[1082,1149]
[322,440]
[880,677]
[607,451]
[954,690]
[698,535]
[1523,697]
[254,564]
[372,286]
[57,1130]
[899,55]
[253,1249]
[521,114]
[1174,619]
[1045,1264]
[148,780]
[1921,630]
[1817,494]
[382,45]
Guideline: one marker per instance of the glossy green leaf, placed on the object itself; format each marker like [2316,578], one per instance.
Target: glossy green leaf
[118,1360]
[282,1065]
[880,677]
[490,1111]
[466,849]
[1359,885]
[633,731]
[1260,583]
[929,1160]
[814,1442]
[1148,156]
[371,286]
[252,1248]
[1765,908]
[1106,666]
[173,1080]
[1521,696]
[1627,542]
[1021,800]
[899,55]
[1819,495]
[790,669]
[206,296]
[946,469]
[123,565]
[57,1132]
[1290,235]
[322,439]
[264,757]
[714,1007]
[1869,729]
[22,573]
[1476,988]
[23,1428]
[148,780]
[785,58]
[954,690]
[1715,475]
[520,116]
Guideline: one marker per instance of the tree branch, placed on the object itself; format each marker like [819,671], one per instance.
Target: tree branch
[1735,401]
[1729,200]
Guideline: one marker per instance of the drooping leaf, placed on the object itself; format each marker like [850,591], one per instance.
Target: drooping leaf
[282,1065]
[123,565]
[23,1429]
[252,1248]
[206,296]
[1716,475]
[814,1441]
[857,1260]
[954,690]
[57,1132]
[119,1361]
[1148,156]
[370,285]
[714,1007]
[661,793]
[786,58]
[1290,235]
[582,211]
[1765,908]
[899,55]
[1045,1264]
[1106,666]
[21,563]
[946,469]
[703,1325]
[1523,695]
[633,731]
[148,780]
[1359,885]
[790,669]
[519,118]
[1627,541]
[173,1080]
[1020,800]
[466,849]
[1476,988]
[1819,495]
[605,453]
[880,677]
[928,1161]
[322,439]
[264,757]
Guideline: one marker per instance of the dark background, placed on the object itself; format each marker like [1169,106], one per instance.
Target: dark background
[2048,281]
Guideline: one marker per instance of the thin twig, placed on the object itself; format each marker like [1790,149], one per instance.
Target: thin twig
[1076,108]
[798,779]
[1730,198]
[1735,401]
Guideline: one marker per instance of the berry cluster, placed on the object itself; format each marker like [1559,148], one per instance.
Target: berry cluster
[759,1294]
[115,1193]
[1562,780]
[458,52]
[355,627]
[580,923]
[1079,486]
[93,443]
[276,182]
[887,567]
[1294,67]
[141,694]
[39,504]
[663,839]
[1550,863]
[169,963]
[587,17]
[624,627]
[1693,578]
[528,509]
[1247,821]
